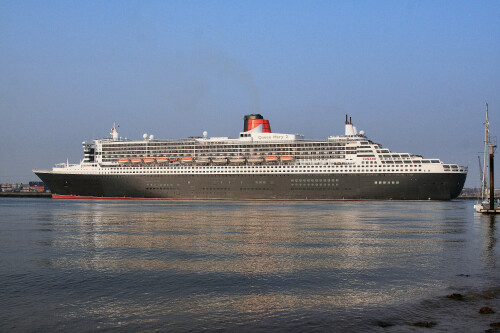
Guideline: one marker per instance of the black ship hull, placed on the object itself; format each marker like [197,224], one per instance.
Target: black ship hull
[333,186]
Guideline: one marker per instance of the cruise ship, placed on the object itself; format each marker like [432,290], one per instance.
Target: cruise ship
[257,165]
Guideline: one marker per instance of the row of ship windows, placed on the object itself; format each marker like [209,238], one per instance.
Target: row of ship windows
[311,188]
[236,172]
[174,153]
[209,153]
[258,167]
[114,157]
[212,151]
[294,182]
[265,170]
[314,180]
[315,184]
[353,169]
[362,167]
[249,145]
[315,188]
[354,172]
[296,156]
[214,146]
[256,153]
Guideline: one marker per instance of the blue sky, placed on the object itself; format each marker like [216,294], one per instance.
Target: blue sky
[415,75]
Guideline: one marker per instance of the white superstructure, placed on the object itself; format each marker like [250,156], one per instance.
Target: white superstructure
[350,153]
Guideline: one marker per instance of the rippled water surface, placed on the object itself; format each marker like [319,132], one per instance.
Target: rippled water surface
[69,265]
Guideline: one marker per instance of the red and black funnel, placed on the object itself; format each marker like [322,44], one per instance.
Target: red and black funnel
[254,120]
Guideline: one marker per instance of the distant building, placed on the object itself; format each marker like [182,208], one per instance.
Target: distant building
[27,188]
[37,186]
[6,188]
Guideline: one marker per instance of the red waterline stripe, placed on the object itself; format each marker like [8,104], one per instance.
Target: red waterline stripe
[59,196]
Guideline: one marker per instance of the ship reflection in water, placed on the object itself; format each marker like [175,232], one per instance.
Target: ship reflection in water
[225,265]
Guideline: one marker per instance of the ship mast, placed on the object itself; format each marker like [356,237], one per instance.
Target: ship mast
[484,186]
[480,169]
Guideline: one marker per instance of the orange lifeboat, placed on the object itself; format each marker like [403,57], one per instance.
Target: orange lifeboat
[271,158]
[174,160]
[287,158]
[136,160]
[162,160]
[187,160]
[123,160]
[149,160]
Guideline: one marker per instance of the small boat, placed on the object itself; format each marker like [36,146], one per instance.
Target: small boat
[136,160]
[162,160]
[255,160]
[174,160]
[202,161]
[149,160]
[237,160]
[271,159]
[187,160]
[287,158]
[123,160]
[221,160]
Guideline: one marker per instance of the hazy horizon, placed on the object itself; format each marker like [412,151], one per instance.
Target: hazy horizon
[414,75]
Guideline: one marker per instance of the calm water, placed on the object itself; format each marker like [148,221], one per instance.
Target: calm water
[247,266]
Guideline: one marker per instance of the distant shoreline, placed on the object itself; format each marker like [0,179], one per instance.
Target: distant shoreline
[25,195]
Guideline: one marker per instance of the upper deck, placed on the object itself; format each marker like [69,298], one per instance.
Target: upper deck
[255,150]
